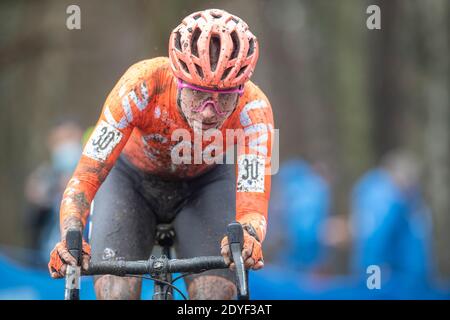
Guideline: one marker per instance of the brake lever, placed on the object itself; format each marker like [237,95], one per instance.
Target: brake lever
[73,273]
[235,236]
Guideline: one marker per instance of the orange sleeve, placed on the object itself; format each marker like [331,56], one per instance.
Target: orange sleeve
[254,158]
[122,111]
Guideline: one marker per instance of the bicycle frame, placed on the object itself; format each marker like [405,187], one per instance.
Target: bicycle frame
[164,238]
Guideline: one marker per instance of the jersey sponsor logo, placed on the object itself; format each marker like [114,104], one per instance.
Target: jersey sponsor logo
[122,124]
[127,109]
[140,102]
[259,137]
[250,173]
[244,115]
[102,142]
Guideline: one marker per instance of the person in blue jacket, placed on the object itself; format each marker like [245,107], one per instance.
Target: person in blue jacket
[299,209]
[392,228]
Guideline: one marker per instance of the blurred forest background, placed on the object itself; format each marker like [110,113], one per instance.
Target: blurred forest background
[343,96]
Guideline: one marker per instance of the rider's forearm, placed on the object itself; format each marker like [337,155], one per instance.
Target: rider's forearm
[74,207]
[252,208]
[70,222]
[79,193]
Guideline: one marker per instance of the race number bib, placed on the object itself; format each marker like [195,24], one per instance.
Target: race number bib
[250,173]
[102,142]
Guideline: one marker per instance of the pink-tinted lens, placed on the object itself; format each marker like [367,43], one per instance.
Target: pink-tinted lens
[205,103]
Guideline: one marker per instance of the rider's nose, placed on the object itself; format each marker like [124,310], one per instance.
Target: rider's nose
[215,96]
[208,112]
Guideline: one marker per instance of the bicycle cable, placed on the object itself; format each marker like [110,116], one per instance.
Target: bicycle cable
[160,281]
[177,278]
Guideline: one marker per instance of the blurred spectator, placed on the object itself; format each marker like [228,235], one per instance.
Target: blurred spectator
[299,211]
[300,236]
[391,224]
[44,186]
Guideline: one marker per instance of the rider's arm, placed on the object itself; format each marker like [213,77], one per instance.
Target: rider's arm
[121,112]
[253,177]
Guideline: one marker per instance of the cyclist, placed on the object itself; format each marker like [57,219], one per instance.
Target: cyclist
[203,85]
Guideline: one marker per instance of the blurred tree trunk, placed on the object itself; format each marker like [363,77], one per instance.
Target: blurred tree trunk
[435,17]
[22,113]
[350,91]
[386,61]
[410,97]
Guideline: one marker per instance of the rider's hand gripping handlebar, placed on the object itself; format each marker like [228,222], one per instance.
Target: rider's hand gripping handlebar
[235,236]
[73,273]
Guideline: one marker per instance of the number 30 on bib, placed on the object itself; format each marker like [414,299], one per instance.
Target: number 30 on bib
[250,173]
[102,142]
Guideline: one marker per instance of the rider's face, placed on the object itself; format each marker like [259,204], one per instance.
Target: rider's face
[206,110]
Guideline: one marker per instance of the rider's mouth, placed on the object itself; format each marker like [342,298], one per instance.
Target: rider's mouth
[208,125]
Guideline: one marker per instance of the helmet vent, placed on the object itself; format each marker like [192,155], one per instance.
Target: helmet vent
[226,73]
[197,16]
[178,40]
[241,71]
[194,39]
[251,47]
[184,66]
[199,70]
[214,52]
[236,45]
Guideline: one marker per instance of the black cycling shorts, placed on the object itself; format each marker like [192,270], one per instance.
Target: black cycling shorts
[130,203]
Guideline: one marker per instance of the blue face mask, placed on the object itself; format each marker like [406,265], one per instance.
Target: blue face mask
[65,157]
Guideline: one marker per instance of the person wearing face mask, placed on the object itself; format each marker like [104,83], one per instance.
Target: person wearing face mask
[45,185]
[129,178]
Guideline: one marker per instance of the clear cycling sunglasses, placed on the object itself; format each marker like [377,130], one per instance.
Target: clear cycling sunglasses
[225,104]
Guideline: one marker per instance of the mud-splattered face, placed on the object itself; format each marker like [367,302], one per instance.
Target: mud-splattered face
[206,110]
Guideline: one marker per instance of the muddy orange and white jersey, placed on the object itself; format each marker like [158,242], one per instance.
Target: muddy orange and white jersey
[141,120]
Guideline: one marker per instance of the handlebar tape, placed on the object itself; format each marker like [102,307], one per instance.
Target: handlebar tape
[74,244]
